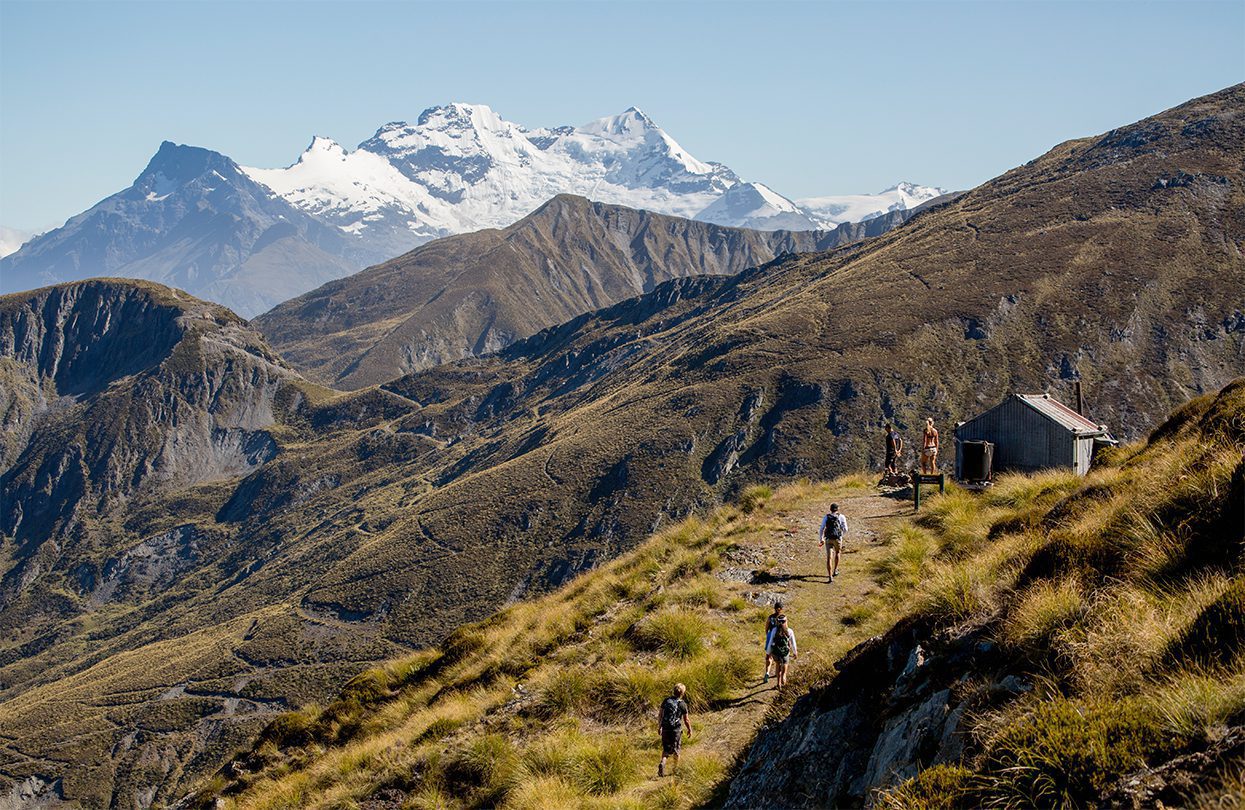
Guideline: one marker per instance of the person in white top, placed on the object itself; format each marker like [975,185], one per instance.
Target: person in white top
[780,646]
[833,530]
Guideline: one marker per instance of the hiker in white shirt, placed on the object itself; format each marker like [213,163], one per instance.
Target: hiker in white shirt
[780,646]
[833,530]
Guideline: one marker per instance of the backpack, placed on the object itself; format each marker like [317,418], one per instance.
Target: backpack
[834,528]
[671,717]
[781,645]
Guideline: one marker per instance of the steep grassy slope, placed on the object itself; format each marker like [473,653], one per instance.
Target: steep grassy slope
[550,703]
[387,516]
[1057,641]
[1072,642]
[477,293]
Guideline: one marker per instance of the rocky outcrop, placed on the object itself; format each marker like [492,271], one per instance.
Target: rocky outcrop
[142,386]
[896,706]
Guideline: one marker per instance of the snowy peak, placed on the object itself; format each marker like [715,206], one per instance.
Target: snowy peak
[630,125]
[323,146]
[754,205]
[860,207]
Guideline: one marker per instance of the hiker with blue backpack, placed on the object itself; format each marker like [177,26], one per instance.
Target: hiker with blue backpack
[833,530]
[672,718]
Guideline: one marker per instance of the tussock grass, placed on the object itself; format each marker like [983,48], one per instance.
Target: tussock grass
[1117,596]
[1042,610]
[678,633]
[548,703]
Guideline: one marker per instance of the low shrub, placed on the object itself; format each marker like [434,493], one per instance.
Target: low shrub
[942,787]
[1062,753]
[754,497]
[677,633]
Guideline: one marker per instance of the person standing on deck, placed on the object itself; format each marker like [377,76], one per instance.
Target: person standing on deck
[929,448]
[894,446]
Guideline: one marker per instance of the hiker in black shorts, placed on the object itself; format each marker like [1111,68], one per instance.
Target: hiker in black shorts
[894,446]
[672,718]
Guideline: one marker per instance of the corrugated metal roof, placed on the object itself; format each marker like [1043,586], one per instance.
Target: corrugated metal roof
[1056,411]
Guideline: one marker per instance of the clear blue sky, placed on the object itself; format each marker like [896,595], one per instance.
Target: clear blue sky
[810,98]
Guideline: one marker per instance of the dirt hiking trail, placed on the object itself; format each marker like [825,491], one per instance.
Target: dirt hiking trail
[815,608]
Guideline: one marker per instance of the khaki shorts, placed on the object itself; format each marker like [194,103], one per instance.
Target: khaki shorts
[835,543]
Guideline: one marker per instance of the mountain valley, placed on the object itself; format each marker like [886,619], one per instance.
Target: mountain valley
[197,537]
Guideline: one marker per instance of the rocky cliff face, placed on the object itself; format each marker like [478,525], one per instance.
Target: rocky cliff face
[897,705]
[138,387]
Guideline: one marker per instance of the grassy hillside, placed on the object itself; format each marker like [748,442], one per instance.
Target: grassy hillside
[307,533]
[476,293]
[550,703]
[1116,596]
[1119,598]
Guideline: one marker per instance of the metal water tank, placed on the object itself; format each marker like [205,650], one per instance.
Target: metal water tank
[977,460]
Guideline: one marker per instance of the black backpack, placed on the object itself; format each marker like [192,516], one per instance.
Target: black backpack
[671,717]
[781,646]
[834,528]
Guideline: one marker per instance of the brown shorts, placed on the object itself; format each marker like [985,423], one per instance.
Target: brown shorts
[671,741]
[835,543]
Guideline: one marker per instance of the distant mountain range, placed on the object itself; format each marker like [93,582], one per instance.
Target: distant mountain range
[251,238]
[194,537]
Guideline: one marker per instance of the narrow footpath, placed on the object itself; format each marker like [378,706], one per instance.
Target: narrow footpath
[815,608]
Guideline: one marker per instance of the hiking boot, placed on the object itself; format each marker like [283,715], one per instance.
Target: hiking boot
[661,769]
[766,680]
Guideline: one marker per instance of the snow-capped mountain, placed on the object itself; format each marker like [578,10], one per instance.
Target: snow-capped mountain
[192,219]
[859,207]
[461,167]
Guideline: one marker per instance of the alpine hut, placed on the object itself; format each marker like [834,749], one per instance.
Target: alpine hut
[1024,433]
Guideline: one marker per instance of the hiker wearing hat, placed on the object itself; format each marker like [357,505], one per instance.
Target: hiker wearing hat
[781,648]
[833,530]
[771,621]
[672,718]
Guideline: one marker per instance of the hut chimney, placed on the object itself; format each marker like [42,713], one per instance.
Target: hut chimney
[1080,400]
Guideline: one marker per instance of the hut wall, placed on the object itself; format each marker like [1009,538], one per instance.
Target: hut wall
[1024,439]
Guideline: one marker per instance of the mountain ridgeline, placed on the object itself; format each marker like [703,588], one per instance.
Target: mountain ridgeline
[251,238]
[477,293]
[231,540]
